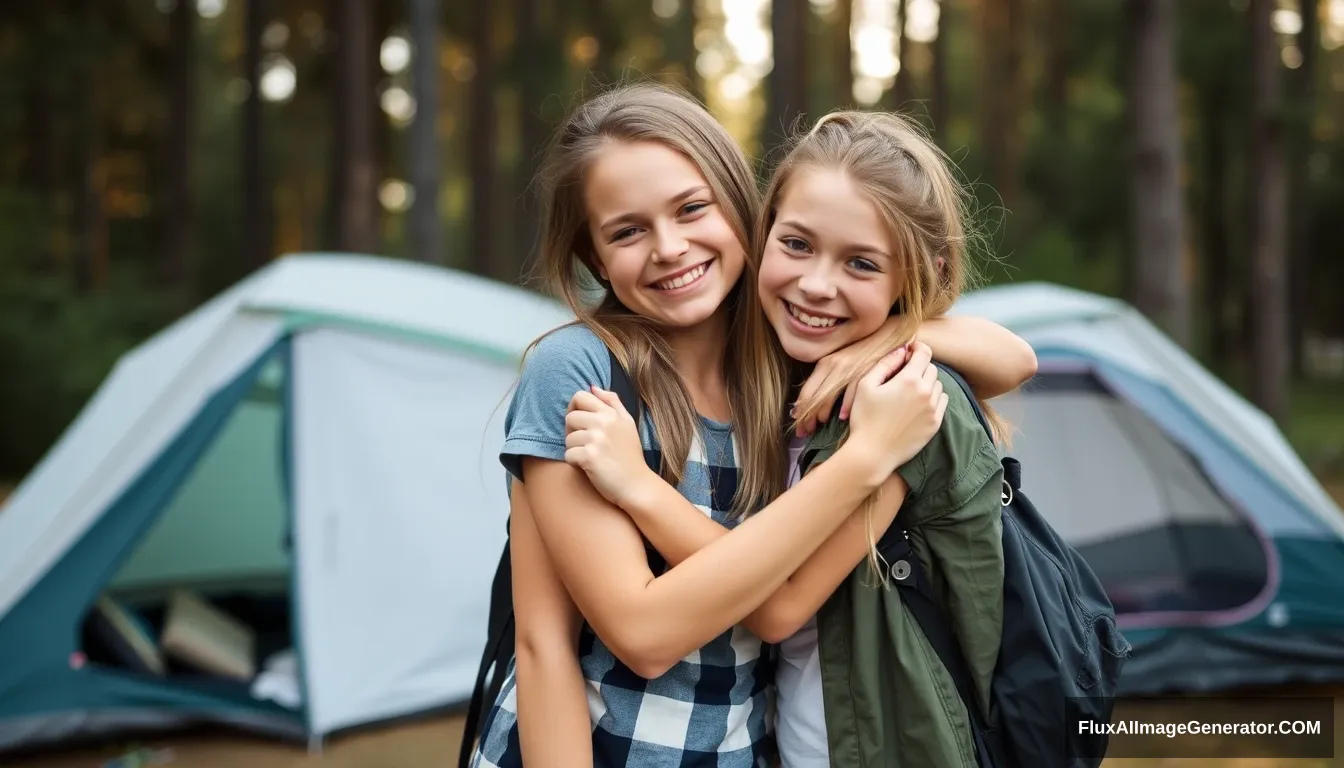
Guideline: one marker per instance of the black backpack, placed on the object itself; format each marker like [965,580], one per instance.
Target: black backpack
[499,625]
[1061,653]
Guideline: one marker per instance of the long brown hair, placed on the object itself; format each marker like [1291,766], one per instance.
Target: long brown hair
[753,363]
[926,211]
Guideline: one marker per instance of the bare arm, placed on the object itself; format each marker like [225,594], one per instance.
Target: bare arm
[992,359]
[553,724]
[651,623]
[678,530]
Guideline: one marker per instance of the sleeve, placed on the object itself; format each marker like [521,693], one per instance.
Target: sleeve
[955,466]
[564,362]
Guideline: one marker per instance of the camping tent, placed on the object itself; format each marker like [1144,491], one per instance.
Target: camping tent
[1223,555]
[278,513]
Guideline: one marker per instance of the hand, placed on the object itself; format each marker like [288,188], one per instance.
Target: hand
[893,420]
[862,354]
[601,438]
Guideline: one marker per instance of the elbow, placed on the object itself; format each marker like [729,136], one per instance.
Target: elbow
[774,624]
[643,651]
[1029,362]
[774,634]
[1024,367]
[651,668]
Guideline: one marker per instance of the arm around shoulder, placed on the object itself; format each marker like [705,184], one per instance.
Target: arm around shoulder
[993,359]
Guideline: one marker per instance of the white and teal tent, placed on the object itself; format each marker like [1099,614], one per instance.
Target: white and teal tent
[1223,555]
[283,512]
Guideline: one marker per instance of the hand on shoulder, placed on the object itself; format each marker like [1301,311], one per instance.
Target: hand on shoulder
[894,416]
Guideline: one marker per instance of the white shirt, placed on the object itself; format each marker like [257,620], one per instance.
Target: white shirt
[800,715]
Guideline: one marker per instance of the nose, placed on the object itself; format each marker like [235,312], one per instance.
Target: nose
[669,245]
[816,283]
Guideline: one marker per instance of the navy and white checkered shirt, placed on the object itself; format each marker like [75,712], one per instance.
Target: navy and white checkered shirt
[712,707]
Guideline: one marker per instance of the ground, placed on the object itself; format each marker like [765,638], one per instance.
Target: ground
[434,744]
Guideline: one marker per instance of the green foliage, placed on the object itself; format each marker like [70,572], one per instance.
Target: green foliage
[57,345]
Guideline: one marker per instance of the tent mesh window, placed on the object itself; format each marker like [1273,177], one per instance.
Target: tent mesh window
[1136,505]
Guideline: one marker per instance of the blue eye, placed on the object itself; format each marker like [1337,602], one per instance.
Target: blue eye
[693,208]
[864,265]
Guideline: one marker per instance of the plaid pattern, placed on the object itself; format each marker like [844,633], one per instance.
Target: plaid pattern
[711,709]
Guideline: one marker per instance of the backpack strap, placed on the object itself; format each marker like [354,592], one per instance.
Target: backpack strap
[1012,470]
[499,648]
[624,387]
[907,572]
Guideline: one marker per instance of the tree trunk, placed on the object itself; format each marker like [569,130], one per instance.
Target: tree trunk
[1160,289]
[256,198]
[940,107]
[900,89]
[1303,94]
[532,45]
[786,98]
[844,53]
[42,170]
[356,209]
[1058,58]
[91,252]
[606,28]
[682,48]
[1268,224]
[483,128]
[1001,86]
[1218,285]
[426,231]
[178,203]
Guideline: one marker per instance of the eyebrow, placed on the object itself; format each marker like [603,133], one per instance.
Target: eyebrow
[629,217]
[860,248]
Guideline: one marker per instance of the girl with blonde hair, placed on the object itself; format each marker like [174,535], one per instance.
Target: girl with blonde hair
[863,229]
[648,194]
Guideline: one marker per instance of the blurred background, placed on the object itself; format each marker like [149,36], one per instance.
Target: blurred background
[1184,155]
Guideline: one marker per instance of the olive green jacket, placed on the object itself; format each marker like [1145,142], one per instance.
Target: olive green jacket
[889,701]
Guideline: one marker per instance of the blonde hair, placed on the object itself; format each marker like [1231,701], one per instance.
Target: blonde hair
[926,211]
[753,363]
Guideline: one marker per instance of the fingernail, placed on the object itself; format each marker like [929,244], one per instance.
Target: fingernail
[793,411]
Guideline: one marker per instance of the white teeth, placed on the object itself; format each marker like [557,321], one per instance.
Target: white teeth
[686,279]
[810,320]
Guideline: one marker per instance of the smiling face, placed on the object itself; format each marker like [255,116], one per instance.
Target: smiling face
[660,236]
[829,273]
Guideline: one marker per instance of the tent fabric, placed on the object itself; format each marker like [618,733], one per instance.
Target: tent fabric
[1108,330]
[399,520]
[1223,555]
[322,435]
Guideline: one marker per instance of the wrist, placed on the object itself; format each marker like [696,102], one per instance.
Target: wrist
[641,492]
[868,467]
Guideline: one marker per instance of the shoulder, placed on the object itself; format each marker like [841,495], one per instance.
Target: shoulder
[567,360]
[958,460]
[569,352]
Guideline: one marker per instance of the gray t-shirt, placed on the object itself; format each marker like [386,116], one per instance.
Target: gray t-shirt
[711,707]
